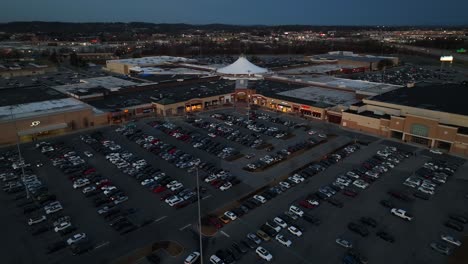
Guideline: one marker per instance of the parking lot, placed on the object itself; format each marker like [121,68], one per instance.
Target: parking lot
[130,186]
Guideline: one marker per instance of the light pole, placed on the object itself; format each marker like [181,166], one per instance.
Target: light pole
[199,218]
[22,163]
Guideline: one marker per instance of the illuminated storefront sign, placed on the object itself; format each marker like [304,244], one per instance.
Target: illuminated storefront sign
[35,123]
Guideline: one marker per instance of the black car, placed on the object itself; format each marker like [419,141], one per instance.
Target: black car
[311,219]
[361,230]
[249,244]
[421,195]
[454,225]
[241,248]
[335,202]
[81,247]
[459,218]
[225,256]
[30,208]
[267,229]
[357,256]
[234,254]
[56,246]
[40,230]
[386,236]
[387,203]
[369,221]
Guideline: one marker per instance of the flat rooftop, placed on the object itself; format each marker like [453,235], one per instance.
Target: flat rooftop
[178,92]
[321,97]
[272,87]
[150,61]
[449,98]
[160,78]
[31,109]
[28,94]
[315,69]
[107,82]
[346,55]
[364,87]
[166,71]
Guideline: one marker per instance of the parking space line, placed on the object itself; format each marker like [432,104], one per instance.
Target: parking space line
[102,245]
[206,197]
[184,227]
[160,218]
[224,233]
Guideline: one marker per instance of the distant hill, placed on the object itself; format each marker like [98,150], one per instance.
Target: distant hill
[90,28]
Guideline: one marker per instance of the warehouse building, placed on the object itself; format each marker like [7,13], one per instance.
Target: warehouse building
[347,58]
[123,66]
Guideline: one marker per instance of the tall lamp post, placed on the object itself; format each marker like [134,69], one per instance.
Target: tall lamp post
[22,163]
[199,218]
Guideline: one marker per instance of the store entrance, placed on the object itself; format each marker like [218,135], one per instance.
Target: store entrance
[420,140]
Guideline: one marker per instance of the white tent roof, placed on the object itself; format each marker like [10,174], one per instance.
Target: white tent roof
[242,66]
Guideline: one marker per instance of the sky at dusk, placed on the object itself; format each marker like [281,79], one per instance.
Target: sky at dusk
[243,12]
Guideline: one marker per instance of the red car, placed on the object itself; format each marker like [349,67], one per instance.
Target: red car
[305,204]
[103,183]
[350,193]
[215,222]
[165,196]
[181,204]
[159,189]
[89,171]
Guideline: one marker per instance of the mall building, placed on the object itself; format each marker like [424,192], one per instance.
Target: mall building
[434,116]
[31,113]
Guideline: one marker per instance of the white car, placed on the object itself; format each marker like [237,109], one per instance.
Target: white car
[192,258]
[352,175]
[402,214]
[120,200]
[172,183]
[211,178]
[75,238]
[436,151]
[177,187]
[212,135]
[274,225]
[295,180]
[88,189]
[225,186]
[62,226]
[147,181]
[260,198]
[285,184]
[322,136]
[295,231]
[283,240]
[312,132]
[80,183]
[280,222]
[426,190]
[295,210]
[53,209]
[171,201]
[344,243]
[88,154]
[263,253]
[230,215]
[451,240]
[36,220]
[110,190]
[361,184]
